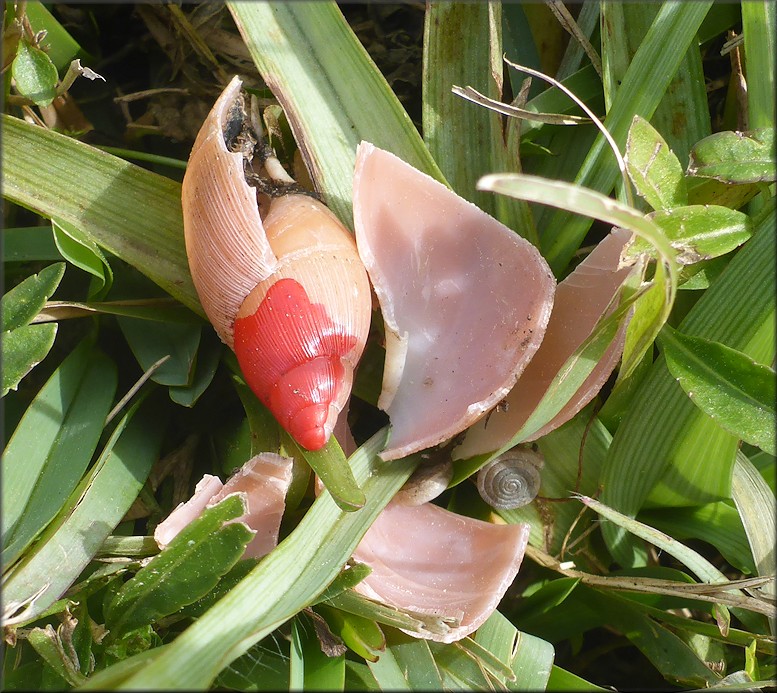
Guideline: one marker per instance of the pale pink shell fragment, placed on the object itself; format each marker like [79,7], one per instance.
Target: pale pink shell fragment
[263,480]
[431,561]
[465,300]
[581,301]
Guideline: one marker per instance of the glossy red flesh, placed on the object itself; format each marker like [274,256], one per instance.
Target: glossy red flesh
[290,353]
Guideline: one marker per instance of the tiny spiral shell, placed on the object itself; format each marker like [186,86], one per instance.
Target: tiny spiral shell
[511,480]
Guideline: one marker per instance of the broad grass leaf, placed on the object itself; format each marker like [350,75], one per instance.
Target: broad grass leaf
[61,47]
[653,168]
[92,511]
[23,349]
[80,250]
[53,444]
[562,680]
[735,157]
[22,303]
[727,385]
[34,74]
[185,571]
[180,341]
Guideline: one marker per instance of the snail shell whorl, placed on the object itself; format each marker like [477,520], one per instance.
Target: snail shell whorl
[511,480]
[287,291]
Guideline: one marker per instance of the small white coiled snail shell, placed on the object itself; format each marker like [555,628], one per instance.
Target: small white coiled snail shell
[512,479]
[285,289]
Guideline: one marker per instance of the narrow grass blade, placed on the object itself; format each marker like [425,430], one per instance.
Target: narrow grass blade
[34,243]
[97,507]
[661,461]
[728,386]
[757,508]
[309,667]
[309,559]
[759,17]
[332,468]
[102,201]
[53,444]
[406,664]
[675,24]
[333,99]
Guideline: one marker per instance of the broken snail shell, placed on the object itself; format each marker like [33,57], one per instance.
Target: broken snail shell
[512,479]
[284,287]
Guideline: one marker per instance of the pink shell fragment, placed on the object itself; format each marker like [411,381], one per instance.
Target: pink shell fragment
[264,481]
[465,300]
[581,301]
[431,561]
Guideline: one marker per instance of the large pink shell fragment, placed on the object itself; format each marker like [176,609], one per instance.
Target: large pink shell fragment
[264,480]
[431,561]
[465,300]
[581,301]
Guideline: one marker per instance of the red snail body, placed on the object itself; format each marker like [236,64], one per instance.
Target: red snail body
[285,288]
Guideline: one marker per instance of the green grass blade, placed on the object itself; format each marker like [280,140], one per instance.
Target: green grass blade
[661,461]
[97,507]
[53,444]
[333,98]
[759,18]
[308,559]
[757,508]
[102,200]
[406,664]
[676,25]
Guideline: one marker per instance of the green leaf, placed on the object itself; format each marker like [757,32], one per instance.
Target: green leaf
[179,341]
[102,201]
[653,168]
[700,232]
[34,74]
[309,667]
[756,505]
[23,349]
[660,462]
[205,364]
[735,157]
[332,468]
[675,24]
[60,45]
[22,303]
[185,571]
[332,98]
[406,664]
[49,646]
[80,250]
[53,444]
[308,559]
[562,680]
[727,385]
[92,512]
[360,634]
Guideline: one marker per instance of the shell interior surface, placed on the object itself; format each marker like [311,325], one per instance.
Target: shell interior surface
[285,288]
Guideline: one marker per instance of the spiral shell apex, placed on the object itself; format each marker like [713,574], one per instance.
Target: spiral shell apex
[283,287]
[512,479]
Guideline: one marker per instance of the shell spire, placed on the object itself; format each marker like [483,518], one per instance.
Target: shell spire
[277,273]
